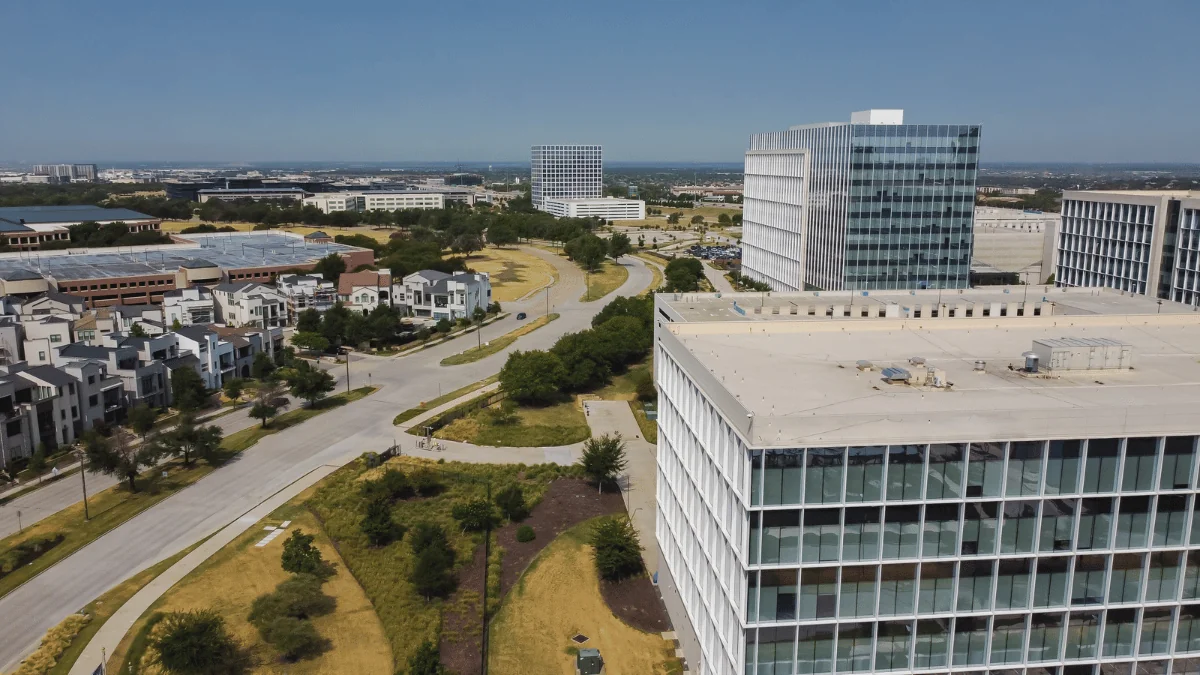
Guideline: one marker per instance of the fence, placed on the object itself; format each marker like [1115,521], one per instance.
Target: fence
[464,409]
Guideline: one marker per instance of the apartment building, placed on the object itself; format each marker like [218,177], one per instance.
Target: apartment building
[870,204]
[998,480]
[43,335]
[16,432]
[1138,241]
[304,291]
[366,290]
[437,295]
[189,306]
[250,304]
[216,355]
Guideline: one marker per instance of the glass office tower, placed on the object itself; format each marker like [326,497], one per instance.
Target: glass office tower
[889,205]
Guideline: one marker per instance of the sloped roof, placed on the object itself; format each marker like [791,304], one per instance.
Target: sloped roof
[19,275]
[317,235]
[350,280]
[73,213]
[49,374]
[197,333]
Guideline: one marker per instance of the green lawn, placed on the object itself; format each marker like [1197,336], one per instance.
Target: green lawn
[559,424]
[441,400]
[607,279]
[498,344]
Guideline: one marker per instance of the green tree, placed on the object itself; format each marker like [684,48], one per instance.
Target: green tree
[330,267]
[310,383]
[466,244]
[263,367]
[737,218]
[379,526]
[37,461]
[500,234]
[294,638]
[603,459]
[617,551]
[697,219]
[312,342]
[639,307]
[141,419]
[532,377]
[308,321]
[267,402]
[187,440]
[301,556]
[618,245]
[175,325]
[137,331]
[443,325]
[118,456]
[584,367]
[723,219]
[233,388]
[479,314]
[673,219]
[197,643]
[474,515]
[188,392]
[511,502]
[432,573]
[587,251]
[426,660]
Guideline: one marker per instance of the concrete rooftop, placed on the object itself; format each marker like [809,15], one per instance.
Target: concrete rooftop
[797,376]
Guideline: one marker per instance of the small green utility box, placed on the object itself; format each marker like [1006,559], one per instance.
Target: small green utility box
[588,662]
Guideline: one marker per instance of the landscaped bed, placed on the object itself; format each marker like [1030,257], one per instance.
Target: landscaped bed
[534,426]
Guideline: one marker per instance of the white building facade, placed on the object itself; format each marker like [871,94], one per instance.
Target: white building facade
[605,208]
[934,499]
[437,295]
[773,215]
[566,172]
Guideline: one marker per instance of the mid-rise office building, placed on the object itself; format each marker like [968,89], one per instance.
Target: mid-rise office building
[605,208]
[566,172]
[869,204]
[983,481]
[1138,241]
[66,172]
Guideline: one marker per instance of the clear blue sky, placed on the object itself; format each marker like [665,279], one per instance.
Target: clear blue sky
[1065,80]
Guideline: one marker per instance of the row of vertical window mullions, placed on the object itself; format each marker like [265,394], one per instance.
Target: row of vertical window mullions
[916,472]
[827,535]
[1011,640]
[852,593]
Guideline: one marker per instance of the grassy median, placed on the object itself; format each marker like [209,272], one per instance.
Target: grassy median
[498,344]
[441,400]
[607,279]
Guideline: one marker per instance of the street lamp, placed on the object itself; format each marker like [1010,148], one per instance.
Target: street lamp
[83,479]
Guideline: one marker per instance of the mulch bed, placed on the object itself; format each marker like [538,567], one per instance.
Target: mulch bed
[567,502]
[636,602]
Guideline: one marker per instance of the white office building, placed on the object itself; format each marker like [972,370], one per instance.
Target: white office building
[1139,241]
[773,216]
[982,481]
[566,172]
[332,202]
[376,200]
[605,208]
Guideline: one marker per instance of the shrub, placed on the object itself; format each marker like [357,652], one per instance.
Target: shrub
[432,572]
[427,535]
[443,326]
[27,551]
[294,638]
[299,597]
[425,482]
[378,524]
[617,551]
[643,383]
[603,459]
[391,485]
[511,502]
[52,646]
[197,643]
[474,515]
[300,556]
[525,533]
[426,660]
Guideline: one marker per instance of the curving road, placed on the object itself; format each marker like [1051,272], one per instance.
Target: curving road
[280,459]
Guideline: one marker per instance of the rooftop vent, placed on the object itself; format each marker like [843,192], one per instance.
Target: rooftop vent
[896,375]
[916,361]
[1068,353]
[980,366]
[864,365]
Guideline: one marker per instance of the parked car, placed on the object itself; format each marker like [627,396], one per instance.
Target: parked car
[520,316]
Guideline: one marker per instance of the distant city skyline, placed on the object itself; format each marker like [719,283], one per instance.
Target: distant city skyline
[389,83]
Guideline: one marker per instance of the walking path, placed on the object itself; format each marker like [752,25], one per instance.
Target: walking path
[717,278]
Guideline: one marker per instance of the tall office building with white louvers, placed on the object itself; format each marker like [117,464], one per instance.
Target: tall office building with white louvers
[566,172]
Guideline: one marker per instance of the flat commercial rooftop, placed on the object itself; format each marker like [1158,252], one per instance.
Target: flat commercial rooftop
[226,250]
[797,382]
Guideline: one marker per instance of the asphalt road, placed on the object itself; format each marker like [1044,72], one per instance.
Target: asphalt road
[332,438]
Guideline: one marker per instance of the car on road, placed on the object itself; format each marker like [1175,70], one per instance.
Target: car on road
[520,316]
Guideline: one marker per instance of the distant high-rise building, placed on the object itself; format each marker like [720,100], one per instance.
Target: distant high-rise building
[566,172]
[1139,241]
[66,172]
[869,204]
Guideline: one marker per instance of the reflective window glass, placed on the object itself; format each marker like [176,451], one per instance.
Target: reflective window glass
[985,468]
[818,593]
[1045,637]
[823,475]
[897,590]
[822,532]
[1062,467]
[783,477]
[814,649]
[1024,473]
[970,640]
[1170,520]
[901,532]
[1008,639]
[892,645]
[854,647]
[945,471]
[932,645]
[1119,628]
[980,522]
[975,585]
[1013,583]
[941,531]
[1095,523]
[1140,459]
[1058,525]
[1156,631]
[1100,468]
[1125,580]
[1083,634]
[905,471]
[1187,637]
[1162,577]
[1020,527]
[860,540]
[1087,587]
[1133,523]
[936,591]
[864,474]
[1179,456]
[858,591]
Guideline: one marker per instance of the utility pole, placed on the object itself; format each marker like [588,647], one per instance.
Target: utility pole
[487,551]
[83,478]
[547,301]
[347,372]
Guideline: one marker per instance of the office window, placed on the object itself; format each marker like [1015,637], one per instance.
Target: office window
[901,532]
[1020,527]
[1170,518]
[940,530]
[776,650]
[979,528]
[906,472]
[936,589]
[1191,576]
[1013,583]
[1024,469]
[1119,628]
[1125,581]
[1087,587]
[892,645]
[1139,472]
[858,591]
[1187,637]
[975,585]
[1162,577]
[1100,468]
[823,475]
[970,640]
[1045,637]
[1095,523]
[777,595]
[814,649]
[1179,456]
[780,537]
[1156,630]
[985,468]
[1058,525]
[897,590]
[854,647]
[783,477]
[822,532]
[1008,639]
[945,471]
[1133,523]
[932,644]
[818,593]
[864,474]
[861,538]
[1083,634]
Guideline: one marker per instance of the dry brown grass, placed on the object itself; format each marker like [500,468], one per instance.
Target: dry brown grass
[240,572]
[607,279]
[53,645]
[380,235]
[514,273]
[559,596]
